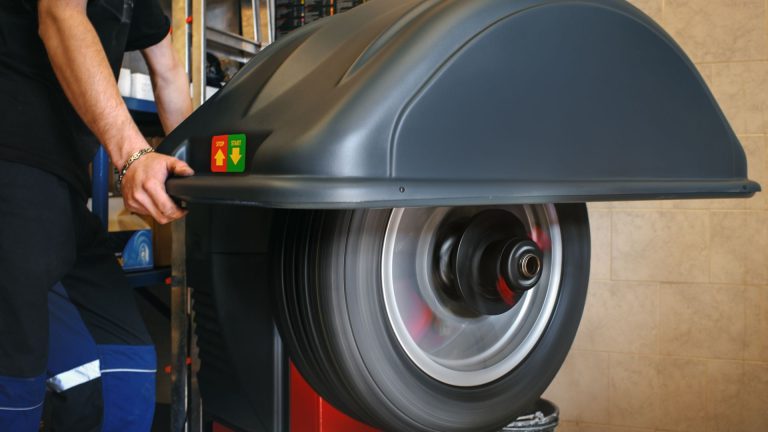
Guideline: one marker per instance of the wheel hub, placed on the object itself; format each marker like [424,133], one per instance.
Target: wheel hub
[485,265]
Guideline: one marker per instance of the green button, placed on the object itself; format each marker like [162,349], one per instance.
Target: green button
[236,154]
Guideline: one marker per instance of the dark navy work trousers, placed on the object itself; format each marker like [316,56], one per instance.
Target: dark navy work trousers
[69,323]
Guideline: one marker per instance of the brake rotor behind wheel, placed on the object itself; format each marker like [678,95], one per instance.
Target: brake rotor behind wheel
[433,319]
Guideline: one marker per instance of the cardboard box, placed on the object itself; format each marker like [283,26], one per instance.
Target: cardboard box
[161,242]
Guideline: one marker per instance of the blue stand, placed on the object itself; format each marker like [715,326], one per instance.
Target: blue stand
[100,187]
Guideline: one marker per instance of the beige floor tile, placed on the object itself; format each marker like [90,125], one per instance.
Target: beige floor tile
[756,322]
[568,427]
[600,227]
[701,321]
[581,387]
[737,396]
[729,204]
[652,8]
[739,242]
[634,390]
[620,317]
[711,204]
[718,30]
[741,89]
[643,205]
[606,428]
[600,205]
[670,246]
[755,397]
[725,385]
[693,204]
[683,402]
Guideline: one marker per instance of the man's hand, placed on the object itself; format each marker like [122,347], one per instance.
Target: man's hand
[91,88]
[144,187]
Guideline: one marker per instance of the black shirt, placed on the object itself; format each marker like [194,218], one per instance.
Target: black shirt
[38,125]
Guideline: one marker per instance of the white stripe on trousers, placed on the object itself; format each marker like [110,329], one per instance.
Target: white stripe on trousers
[21,409]
[74,377]
[84,373]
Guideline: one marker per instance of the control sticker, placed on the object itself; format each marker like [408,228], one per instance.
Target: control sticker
[228,154]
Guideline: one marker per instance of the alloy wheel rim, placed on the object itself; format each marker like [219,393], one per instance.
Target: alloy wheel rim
[445,343]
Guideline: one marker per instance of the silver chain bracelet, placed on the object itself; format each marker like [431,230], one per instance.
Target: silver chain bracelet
[134,157]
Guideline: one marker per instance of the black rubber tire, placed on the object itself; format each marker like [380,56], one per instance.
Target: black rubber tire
[332,318]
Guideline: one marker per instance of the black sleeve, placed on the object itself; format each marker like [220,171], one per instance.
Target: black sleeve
[149,25]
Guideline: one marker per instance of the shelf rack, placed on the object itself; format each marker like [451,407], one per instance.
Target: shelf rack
[231,45]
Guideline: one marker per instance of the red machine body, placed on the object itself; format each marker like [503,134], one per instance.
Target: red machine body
[310,413]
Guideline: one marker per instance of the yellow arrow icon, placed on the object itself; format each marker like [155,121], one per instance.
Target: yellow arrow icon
[220,158]
[235,155]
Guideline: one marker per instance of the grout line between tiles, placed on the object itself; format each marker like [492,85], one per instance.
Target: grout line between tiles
[726,62]
[662,209]
[707,383]
[611,353]
[658,318]
[709,246]
[610,389]
[610,243]
[612,425]
[765,12]
[729,285]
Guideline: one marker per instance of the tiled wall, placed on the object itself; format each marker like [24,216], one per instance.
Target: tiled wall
[675,334]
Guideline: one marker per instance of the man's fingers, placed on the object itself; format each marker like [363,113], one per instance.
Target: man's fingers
[165,206]
[138,203]
[180,168]
[141,203]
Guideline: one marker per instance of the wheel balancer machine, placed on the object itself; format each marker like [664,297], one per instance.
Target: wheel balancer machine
[402,188]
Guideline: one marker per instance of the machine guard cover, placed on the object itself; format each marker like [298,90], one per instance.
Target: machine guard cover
[456,102]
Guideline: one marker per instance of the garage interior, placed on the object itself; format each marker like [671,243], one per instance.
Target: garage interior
[674,334]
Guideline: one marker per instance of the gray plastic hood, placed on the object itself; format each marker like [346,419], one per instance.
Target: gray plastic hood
[457,102]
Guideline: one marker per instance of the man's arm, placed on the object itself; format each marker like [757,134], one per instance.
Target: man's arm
[170,84]
[91,88]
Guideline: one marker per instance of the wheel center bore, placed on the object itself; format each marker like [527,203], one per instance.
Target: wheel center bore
[486,266]
[530,266]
